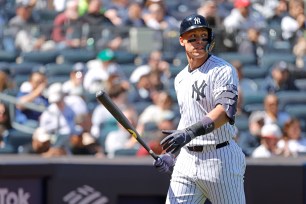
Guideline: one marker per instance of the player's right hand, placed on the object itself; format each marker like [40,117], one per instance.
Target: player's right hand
[164,163]
[176,139]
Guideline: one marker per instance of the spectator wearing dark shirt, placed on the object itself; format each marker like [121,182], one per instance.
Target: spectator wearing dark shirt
[67,27]
[33,94]
[280,79]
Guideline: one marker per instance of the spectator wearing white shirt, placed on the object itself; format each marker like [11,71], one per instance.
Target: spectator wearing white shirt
[99,71]
[121,138]
[291,23]
[293,142]
[270,135]
[74,85]
[58,119]
[242,17]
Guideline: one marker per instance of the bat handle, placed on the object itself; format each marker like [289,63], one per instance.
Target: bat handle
[153,154]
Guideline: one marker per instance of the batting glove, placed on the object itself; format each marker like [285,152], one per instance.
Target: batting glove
[176,139]
[164,163]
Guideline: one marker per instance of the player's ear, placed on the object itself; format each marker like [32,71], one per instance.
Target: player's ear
[181,41]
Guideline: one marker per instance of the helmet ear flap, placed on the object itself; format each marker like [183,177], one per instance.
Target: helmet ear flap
[211,44]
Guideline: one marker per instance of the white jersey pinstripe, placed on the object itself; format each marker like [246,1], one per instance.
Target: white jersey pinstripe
[196,92]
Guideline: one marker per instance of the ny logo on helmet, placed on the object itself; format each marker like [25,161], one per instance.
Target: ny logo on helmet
[197,20]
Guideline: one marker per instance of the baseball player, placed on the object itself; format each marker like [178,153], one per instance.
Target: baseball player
[206,161]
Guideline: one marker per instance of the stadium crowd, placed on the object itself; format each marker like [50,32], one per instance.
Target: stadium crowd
[55,55]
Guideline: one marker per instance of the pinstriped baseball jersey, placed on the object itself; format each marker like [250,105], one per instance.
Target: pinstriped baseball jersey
[196,93]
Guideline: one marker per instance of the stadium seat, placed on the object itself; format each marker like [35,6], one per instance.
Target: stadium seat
[91,100]
[5,67]
[290,98]
[124,57]
[42,57]
[269,59]
[301,84]
[254,72]
[126,152]
[174,70]
[105,128]
[128,69]
[298,111]
[6,56]
[245,59]
[18,138]
[76,55]
[253,101]
[54,69]
[24,68]
[58,72]
[242,122]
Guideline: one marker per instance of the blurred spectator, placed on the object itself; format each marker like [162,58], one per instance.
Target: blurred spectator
[135,18]
[154,137]
[100,69]
[5,82]
[265,8]
[32,39]
[41,143]
[253,44]
[243,17]
[121,138]
[299,50]
[23,17]
[74,86]
[59,6]
[5,128]
[22,20]
[270,135]
[59,119]
[83,7]
[209,9]
[280,79]
[95,19]
[84,144]
[250,140]
[161,108]
[272,114]
[293,142]
[67,28]
[142,90]
[100,114]
[117,12]
[157,18]
[294,22]
[155,62]
[280,11]
[31,92]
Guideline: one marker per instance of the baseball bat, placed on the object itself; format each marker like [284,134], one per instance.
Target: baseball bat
[103,98]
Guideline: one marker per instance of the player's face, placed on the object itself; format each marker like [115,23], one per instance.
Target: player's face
[195,42]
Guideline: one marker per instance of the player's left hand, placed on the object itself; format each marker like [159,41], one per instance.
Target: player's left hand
[164,163]
[176,139]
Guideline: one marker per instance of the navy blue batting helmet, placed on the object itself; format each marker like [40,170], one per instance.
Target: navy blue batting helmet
[197,21]
[192,22]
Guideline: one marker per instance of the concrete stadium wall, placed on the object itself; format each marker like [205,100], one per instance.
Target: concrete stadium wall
[87,180]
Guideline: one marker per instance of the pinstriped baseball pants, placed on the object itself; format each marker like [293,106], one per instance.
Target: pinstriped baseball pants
[216,174]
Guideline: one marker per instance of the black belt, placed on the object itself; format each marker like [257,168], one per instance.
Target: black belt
[200,148]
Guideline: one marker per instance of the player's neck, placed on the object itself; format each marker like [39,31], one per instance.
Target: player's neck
[196,63]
